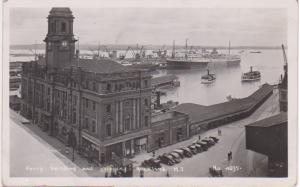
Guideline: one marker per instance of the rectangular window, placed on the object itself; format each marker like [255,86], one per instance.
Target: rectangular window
[94,87]
[86,124]
[74,117]
[146,121]
[108,130]
[108,108]
[63,27]
[94,105]
[86,103]
[94,129]
[108,87]
[127,124]
[146,83]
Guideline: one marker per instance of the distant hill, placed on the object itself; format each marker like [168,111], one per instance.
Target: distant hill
[134,46]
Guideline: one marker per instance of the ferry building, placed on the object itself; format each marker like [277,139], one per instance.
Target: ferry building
[106,105]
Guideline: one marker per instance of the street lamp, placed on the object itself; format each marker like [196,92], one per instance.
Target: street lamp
[72,142]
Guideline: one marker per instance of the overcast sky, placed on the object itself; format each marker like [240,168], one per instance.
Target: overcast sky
[160,26]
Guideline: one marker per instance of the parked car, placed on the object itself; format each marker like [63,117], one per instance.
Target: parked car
[204,145]
[193,149]
[176,157]
[187,152]
[208,141]
[152,163]
[180,152]
[166,159]
[214,138]
[198,147]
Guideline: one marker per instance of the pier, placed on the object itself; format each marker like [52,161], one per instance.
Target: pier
[163,81]
[207,117]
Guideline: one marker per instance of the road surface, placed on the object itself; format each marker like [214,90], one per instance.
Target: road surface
[30,156]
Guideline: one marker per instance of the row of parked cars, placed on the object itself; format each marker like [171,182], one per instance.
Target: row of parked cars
[177,155]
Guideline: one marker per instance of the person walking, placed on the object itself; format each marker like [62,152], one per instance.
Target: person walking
[230,155]
[153,154]
[141,173]
[199,137]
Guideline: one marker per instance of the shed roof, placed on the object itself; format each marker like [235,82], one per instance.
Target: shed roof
[278,119]
[163,79]
[198,113]
[104,65]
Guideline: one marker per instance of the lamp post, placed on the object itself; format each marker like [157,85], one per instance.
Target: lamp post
[72,142]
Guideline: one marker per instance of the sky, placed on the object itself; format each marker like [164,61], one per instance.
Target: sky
[158,26]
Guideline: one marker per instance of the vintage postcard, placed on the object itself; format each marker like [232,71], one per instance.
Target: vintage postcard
[149,93]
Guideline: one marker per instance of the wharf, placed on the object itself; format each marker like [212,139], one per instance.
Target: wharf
[166,80]
[208,117]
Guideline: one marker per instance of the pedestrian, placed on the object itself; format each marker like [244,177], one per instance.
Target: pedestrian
[228,156]
[167,175]
[219,132]
[153,154]
[106,174]
[199,137]
[141,173]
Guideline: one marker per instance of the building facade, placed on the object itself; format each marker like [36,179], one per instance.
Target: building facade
[283,92]
[104,104]
[167,129]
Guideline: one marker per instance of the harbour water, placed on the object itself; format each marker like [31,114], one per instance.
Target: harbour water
[228,79]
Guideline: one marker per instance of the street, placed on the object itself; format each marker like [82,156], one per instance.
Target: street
[31,156]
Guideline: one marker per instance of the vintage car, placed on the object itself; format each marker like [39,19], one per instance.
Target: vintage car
[193,149]
[198,147]
[214,138]
[187,152]
[176,157]
[166,159]
[209,141]
[180,152]
[204,145]
[151,163]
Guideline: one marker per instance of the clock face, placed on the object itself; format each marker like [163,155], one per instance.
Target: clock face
[64,43]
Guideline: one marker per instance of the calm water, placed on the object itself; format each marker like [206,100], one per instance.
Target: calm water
[228,82]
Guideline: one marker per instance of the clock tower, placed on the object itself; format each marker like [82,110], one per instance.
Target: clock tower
[60,41]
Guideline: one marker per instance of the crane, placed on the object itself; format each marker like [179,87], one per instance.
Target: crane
[284,54]
[122,56]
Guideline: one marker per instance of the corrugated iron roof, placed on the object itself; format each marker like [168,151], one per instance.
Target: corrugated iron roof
[163,79]
[199,113]
[104,65]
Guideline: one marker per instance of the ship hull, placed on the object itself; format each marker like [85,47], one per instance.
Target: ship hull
[183,64]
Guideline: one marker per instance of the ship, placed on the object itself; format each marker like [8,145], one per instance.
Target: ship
[251,76]
[201,60]
[186,62]
[208,78]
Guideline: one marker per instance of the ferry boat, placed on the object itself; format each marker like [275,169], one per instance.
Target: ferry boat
[208,78]
[251,76]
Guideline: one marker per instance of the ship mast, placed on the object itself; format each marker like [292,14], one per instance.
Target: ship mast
[229,48]
[173,50]
[186,40]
